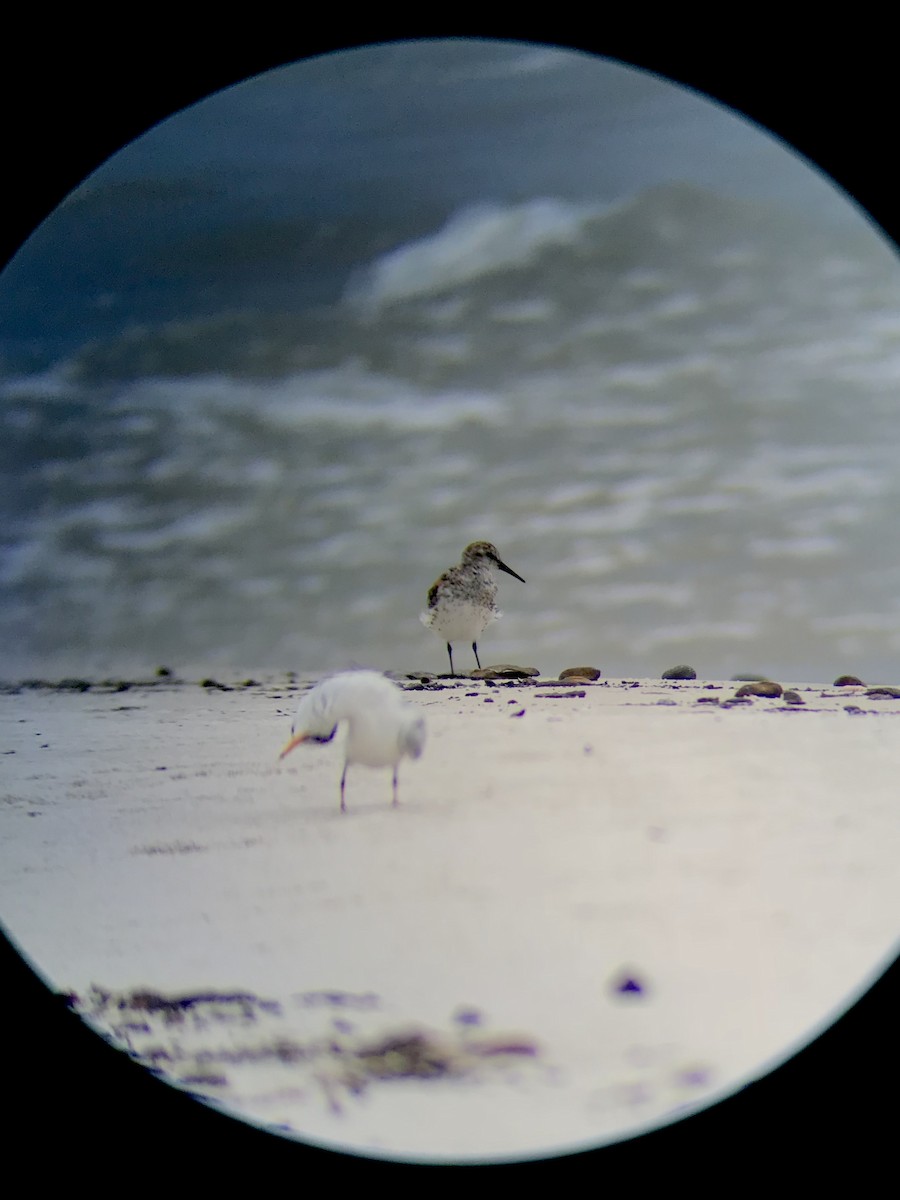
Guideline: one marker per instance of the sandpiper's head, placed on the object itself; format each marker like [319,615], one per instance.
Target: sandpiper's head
[486,553]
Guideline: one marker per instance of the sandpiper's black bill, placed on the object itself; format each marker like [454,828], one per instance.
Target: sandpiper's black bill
[509,570]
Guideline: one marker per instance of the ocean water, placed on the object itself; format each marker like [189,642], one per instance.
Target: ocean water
[267,372]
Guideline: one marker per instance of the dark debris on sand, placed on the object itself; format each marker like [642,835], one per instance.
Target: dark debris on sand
[628,985]
[180,1038]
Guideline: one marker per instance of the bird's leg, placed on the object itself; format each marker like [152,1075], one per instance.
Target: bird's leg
[395,788]
[477,659]
[343,781]
[450,652]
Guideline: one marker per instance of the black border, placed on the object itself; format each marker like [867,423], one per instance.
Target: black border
[72,94]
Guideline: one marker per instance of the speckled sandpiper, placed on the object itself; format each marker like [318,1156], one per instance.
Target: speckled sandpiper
[461,603]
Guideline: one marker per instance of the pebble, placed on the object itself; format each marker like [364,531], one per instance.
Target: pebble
[693,1077]
[848,681]
[791,697]
[628,985]
[680,672]
[764,687]
[214,684]
[73,685]
[884,693]
[468,1016]
[585,674]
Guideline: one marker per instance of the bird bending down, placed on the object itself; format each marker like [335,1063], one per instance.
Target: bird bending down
[461,603]
[381,727]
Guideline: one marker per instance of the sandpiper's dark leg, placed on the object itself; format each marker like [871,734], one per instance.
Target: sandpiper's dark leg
[450,652]
[477,659]
[343,781]
[395,788]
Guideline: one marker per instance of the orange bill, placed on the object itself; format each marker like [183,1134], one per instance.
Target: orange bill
[295,741]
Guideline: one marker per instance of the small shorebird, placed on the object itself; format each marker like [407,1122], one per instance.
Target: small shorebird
[381,727]
[461,603]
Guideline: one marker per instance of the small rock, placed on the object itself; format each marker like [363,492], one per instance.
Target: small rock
[884,693]
[588,674]
[468,1016]
[791,697]
[163,672]
[693,1077]
[628,985]
[214,683]
[848,681]
[764,687]
[680,672]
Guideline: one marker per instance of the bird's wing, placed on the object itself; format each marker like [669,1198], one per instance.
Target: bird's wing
[433,590]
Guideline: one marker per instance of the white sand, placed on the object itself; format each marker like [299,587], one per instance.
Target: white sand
[740,864]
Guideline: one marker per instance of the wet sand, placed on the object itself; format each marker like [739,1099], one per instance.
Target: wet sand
[598,906]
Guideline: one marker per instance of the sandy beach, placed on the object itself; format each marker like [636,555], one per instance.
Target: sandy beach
[598,907]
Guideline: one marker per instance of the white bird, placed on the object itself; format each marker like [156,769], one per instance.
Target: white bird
[461,603]
[382,727]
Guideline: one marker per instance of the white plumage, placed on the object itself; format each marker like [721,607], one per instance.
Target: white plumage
[382,728]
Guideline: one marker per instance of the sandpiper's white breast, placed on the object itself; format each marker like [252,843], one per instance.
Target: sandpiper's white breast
[460,620]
